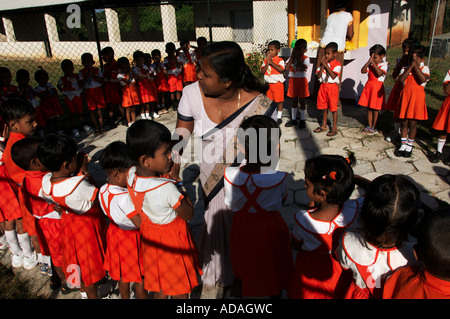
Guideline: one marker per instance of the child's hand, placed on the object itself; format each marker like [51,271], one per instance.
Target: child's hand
[174,172]
[324,61]
[83,161]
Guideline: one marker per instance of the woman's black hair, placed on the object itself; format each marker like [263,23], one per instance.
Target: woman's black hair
[377,49]
[56,149]
[115,156]
[144,137]
[332,174]
[390,210]
[24,150]
[16,109]
[433,242]
[227,60]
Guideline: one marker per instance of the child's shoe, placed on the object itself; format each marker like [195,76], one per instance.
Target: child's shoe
[76,133]
[87,129]
[436,157]
[17,261]
[291,123]
[3,243]
[43,269]
[301,124]
[49,270]
[30,262]
[366,129]
[156,115]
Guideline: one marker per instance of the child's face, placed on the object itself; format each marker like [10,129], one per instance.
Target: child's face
[405,50]
[68,69]
[273,50]
[5,78]
[43,80]
[170,52]
[107,58]
[310,192]
[139,60]
[157,57]
[124,67]
[118,177]
[26,125]
[330,55]
[161,163]
[24,80]
[378,58]
[201,44]
[300,48]
[87,62]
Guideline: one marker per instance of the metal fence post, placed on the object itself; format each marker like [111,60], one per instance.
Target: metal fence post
[97,39]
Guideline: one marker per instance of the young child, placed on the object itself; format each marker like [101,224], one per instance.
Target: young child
[91,81]
[174,77]
[297,66]
[50,106]
[442,124]
[393,99]
[273,69]
[69,86]
[412,106]
[111,84]
[19,116]
[24,153]
[260,245]
[83,236]
[123,260]
[170,256]
[373,96]
[7,90]
[140,73]
[329,182]
[130,93]
[29,94]
[160,80]
[201,45]
[389,213]
[328,96]
[189,60]
[432,279]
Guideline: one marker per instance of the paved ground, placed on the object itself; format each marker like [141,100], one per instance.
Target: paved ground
[374,155]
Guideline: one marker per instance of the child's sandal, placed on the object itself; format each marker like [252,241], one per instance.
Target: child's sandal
[332,133]
[319,129]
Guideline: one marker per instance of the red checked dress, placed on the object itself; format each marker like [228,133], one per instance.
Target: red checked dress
[373,95]
[123,258]
[260,245]
[169,252]
[442,121]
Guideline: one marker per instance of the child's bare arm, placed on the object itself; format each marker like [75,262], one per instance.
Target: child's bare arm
[186,209]
[402,77]
[365,66]
[447,88]
[136,220]
[378,72]
[419,75]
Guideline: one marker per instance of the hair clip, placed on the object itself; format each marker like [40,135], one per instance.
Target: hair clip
[333,175]
[348,160]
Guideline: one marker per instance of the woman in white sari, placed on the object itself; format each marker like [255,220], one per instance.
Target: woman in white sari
[212,108]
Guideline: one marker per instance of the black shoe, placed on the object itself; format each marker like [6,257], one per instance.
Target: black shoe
[301,124]
[436,157]
[290,123]
[446,161]
[279,121]
[399,153]
[407,154]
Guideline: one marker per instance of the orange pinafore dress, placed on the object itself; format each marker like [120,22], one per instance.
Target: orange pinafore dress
[442,121]
[373,95]
[83,240]
[260,248]
[189,70]
[123,258]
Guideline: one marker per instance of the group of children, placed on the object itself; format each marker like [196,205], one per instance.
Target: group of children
[406,100]
[120,87]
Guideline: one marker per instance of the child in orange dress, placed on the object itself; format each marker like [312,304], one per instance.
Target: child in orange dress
[442,124]
[160,80]
[273,69]
[381,242]
[83,236]
[147,95]
[50,106]
[328,95]
[373,96]
[130,93]
[91,81]
[189,60]
[170,255]
[431,280]
[260,246]
[19,116]
[393,100]
[329,182]
[123,260]
[412,106]
[111,84]
[297,66]
[174,74]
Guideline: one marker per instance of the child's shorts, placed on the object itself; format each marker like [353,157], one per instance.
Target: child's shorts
[95,98]
[75,105]
[175,83]
[276,92]
[298,87]
[112,93]
[328,97]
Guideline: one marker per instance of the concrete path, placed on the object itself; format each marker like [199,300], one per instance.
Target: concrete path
[374,157]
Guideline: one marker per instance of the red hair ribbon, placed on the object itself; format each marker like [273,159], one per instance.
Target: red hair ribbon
[333,175]
[348,160]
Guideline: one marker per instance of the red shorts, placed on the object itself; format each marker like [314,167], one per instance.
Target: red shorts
[95,98]
[51,229]
[298,87]
[112,93]
[75,105]
[328,97]
[276,92]
[175,83]
[51,108]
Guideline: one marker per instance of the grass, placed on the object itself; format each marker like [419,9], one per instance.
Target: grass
[11,287]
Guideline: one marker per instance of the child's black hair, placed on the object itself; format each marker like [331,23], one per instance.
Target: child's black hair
[24,150]
[301,43]
[56,149]
[275,43]
[433,242]
[66,63]
[115,156]
[390,210]
[138,54]
[202,39]
[4,69]
[156,52]
[39,74]
[107,51]
[419,49]
[409,42]
[332,46]
[144,137]
[170,46]
[332,174]
[262,125]
[377,49]
[123,60]
[15,109]
[86,56]
[183,42]
[22,74]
